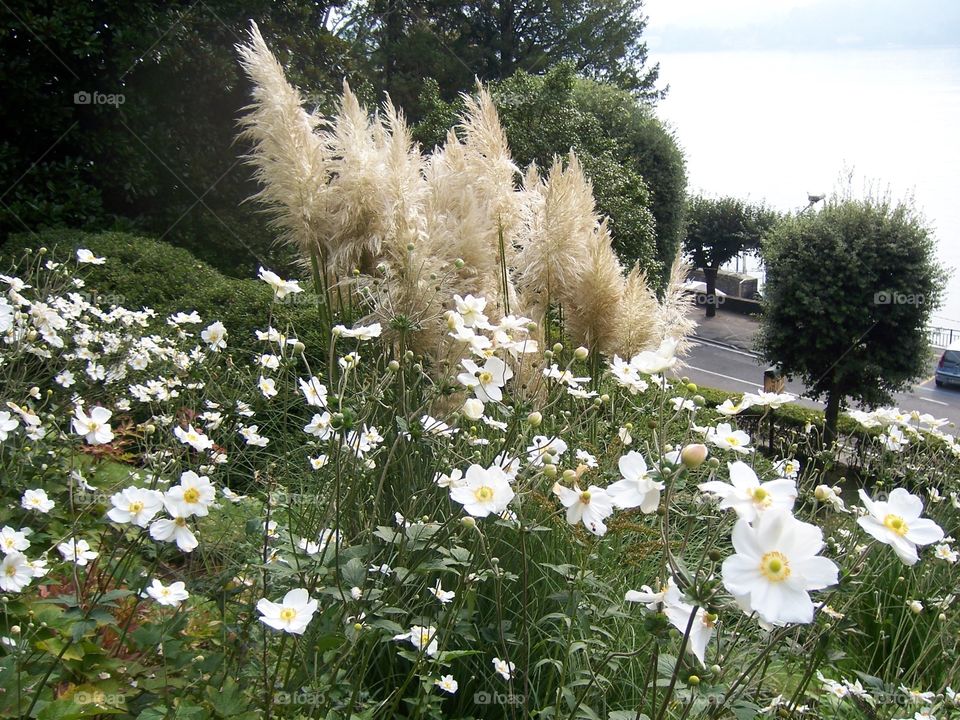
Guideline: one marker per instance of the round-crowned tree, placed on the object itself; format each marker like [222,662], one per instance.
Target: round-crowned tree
[849,292]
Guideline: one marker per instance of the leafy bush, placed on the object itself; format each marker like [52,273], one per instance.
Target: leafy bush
[150,273]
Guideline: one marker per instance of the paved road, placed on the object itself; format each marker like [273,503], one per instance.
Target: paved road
[718,366]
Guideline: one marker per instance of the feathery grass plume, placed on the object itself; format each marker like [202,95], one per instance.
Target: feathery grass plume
[457,213]
[555,250]
[356,144]
[674,318]
[291,160]
[592,319]
[637,316]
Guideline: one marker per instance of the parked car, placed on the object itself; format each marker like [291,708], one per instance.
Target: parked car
[948,369]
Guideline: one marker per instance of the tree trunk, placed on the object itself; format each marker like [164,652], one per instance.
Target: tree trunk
[508,39]
[831,415]
[710,275]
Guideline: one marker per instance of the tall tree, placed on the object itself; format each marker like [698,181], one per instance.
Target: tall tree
[717,231]
[125,113]
[456,42]
[849,292]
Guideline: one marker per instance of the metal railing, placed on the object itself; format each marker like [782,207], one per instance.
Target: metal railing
[941,337]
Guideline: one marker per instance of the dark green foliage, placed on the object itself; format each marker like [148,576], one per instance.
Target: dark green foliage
[848,296]
[548,115]
[719,230]
[457,43]
[141,272]
[165,158]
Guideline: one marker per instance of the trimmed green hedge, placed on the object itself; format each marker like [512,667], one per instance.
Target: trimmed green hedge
[142,272]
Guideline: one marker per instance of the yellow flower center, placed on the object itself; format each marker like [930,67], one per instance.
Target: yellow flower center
[181,522]
[11,570]
[287,614]
[775,566]
[424,638]
[761,497]
[486,377]
[585,497]
[136,506]
[484,493]
[895,523]
[191,495]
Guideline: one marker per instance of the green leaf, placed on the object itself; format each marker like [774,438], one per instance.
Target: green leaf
[354,572]
[226,701]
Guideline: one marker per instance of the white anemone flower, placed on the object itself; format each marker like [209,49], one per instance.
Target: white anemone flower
[541,446]
[775,567]
[485,381]
[444,596]
[281,288]
[8,424]
[447,684]
[314,391]
[591,506]
[483,491]
[135,505]
[193,496]
[423,638]
[360,333]
[897,523]
[678,612]
[215,336]
[725,437]
[651,362]
[471,310]
[94,427]
[637,488]
[292,614]
[749,497]
[194,438]
[503,668]
[36,500]
[12,541]
[171,595]
[15,572]
[86,257]
[77,551]
[176,530]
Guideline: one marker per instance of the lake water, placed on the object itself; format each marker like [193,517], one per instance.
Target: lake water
[775,126]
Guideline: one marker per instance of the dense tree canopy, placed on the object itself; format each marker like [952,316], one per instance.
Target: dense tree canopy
[634,162]
[717,230]
[848,295]
[456,42]
[126,112]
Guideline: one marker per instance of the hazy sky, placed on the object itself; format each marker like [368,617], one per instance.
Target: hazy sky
[703,25]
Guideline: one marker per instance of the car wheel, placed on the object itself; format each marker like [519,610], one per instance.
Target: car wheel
[938,383]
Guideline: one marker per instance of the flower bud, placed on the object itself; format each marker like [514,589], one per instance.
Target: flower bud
[393,366]
[605,398]
[458,264]
[715,555]
[534,419]
[358,627]
[581,353]
[468,522]
[558,348]
[473,409]
[569,475]
[299,347]
[822,493]
[693,680]
[694,455]
[713,463]
[715,669]
[692,387]
[699,400]
[550,471]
